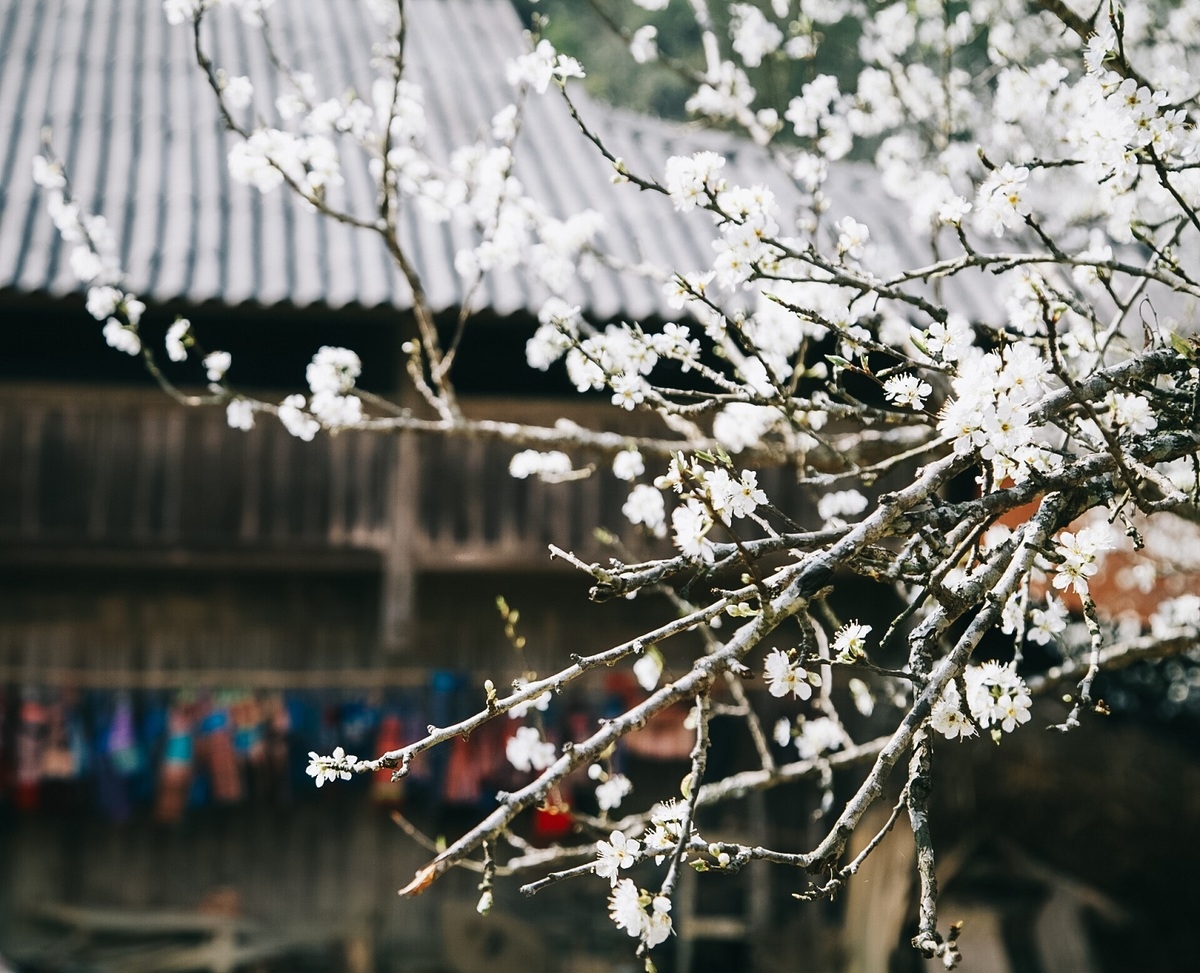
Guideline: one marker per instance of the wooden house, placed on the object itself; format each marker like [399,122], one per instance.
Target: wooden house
[270,595]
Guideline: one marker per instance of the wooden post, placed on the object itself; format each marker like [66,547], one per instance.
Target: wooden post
[399,569]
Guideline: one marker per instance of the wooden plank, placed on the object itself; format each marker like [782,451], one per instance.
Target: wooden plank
[341,452]
[173,443]
[91,439]
[30,466]
[253,453]
[398,592]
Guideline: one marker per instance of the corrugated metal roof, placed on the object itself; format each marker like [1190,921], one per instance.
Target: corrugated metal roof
[142,141]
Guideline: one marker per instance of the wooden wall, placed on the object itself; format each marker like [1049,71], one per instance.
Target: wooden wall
[100,474]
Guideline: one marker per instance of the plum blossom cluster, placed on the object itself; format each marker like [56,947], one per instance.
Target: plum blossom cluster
[991,413]
[997,699]
[641,914]
[666,829]
[1176,614]
[541,66]
[92,260]
[331,376]
[1080,553]
[812,738]
[709,495]
[339,765]
[1046,624]
[551,465]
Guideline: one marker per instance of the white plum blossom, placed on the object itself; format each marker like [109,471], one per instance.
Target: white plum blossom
[693,180]
[612,792]
[118,336]
[629,390]
[541,66]
[216,364]
[333,370]
[665,831]
[997,696]
[741,425]
[852,238]
[86,264]
[643,45]
[1001,202]
[907,391]
[238,92]
[102,302]
[625,907]
[47,174]
[178,11]
[645,505]
[271,155]
[850,641]
[839,504]
[133,309]
[334,410]
[1012,711]
[239,414]
[691,523]
[295,420]
[818,736]
[1174,614]
[785,676]
[615,854]
[950,340]
[337,766]
[547,466]
[1132,413]
[559,327]
[1046,623]
[754,36]
[527,751]
[947,717]
[648,669]
[628,465]
[643,916]
[177,340]
[952,210]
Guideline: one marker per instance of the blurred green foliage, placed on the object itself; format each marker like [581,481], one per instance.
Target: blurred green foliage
[575,28]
